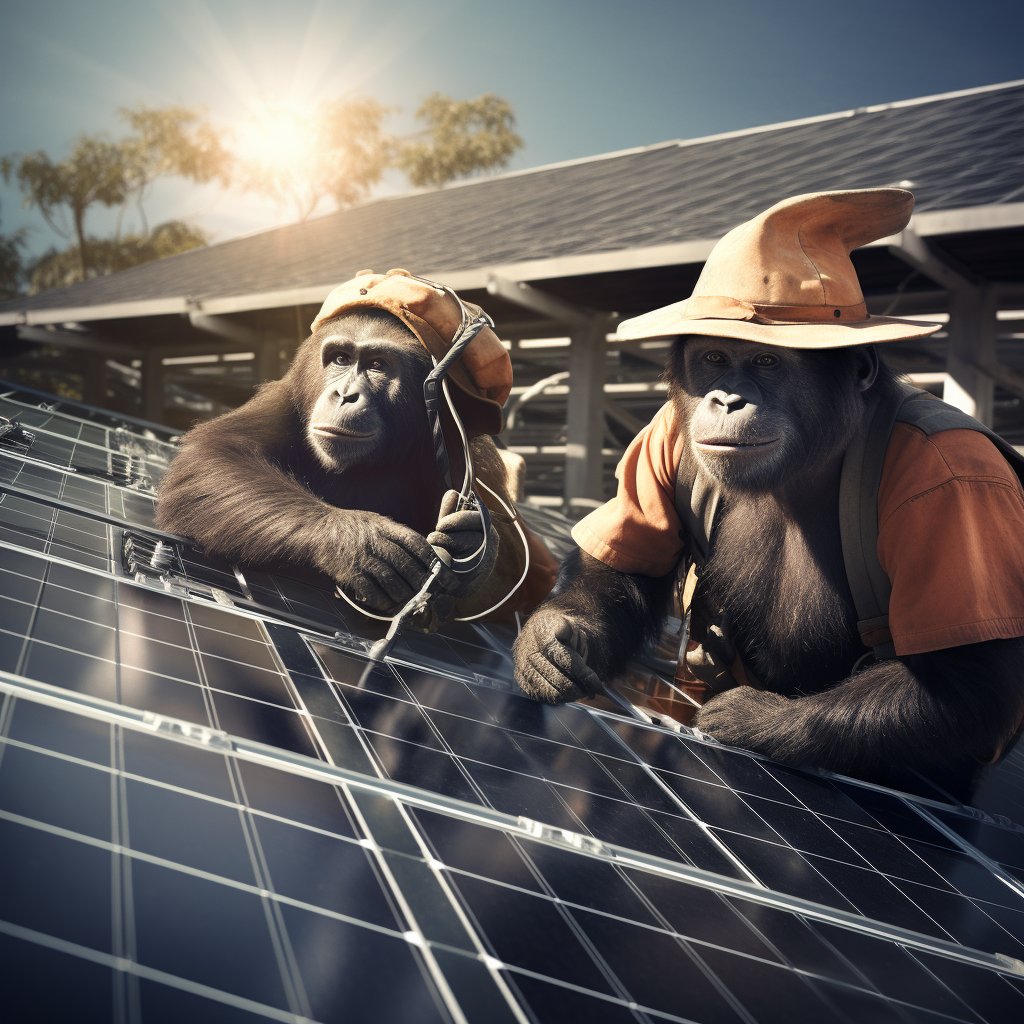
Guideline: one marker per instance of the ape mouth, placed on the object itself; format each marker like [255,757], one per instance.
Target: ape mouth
[728,444]
[328,430]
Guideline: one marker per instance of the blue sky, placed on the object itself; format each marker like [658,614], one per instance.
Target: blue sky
[584,76]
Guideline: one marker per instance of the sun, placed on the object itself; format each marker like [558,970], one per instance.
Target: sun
[277,140]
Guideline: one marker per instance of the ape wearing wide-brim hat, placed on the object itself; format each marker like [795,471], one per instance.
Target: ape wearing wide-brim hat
[333,471]
[851,551]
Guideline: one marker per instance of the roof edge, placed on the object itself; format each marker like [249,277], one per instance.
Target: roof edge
[926,223]
[738,133]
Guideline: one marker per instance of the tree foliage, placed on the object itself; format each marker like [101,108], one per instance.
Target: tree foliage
[337,150]
[11,265]
[171,141]
[463,137]
[59,267]
[95,172]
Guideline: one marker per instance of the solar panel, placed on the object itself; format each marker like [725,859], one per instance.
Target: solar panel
[213,806]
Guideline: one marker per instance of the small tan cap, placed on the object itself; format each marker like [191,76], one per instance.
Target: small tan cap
[786,278]
[482,374]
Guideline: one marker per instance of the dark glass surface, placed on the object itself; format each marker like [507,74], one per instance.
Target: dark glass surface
[354,974]
[894,972]
[556,1004]
[291,796]
[478,850]
[655,969]
[85,992]
[265,723]
[162,1004]
[206,932]
[324,871]
[183,766]
[588,883]
[699,914]
[555,917]
[57,792]
[528,931]
[179,827]
[62,886]
[67,733]
[770,992]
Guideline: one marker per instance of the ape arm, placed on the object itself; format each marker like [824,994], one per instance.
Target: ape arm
[581,637]
[941,713]
[221,491]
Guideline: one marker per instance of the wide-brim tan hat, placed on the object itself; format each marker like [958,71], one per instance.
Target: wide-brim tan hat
[482,374]
[785,278]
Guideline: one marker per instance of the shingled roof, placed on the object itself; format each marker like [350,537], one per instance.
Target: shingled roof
[957,152]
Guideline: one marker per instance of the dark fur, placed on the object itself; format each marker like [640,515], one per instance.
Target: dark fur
[255,487]
[776,580]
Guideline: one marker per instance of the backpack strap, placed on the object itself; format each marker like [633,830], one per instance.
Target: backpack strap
[696,499]
[858,526]
[858,500]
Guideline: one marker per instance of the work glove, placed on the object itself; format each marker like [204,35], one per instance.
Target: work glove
[551,659]
[460,534]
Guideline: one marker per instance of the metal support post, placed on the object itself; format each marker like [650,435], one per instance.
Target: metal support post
[584,470]
[153,387]
[972,345]
[268,359]
[94,391]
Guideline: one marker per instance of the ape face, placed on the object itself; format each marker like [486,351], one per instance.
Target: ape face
[367,401]
[760,415]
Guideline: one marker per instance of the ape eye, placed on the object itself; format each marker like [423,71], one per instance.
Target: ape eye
[766,359]
[342,359]
[378,364]
[716,358]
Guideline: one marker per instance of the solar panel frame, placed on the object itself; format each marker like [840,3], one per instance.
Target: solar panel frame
[534,861]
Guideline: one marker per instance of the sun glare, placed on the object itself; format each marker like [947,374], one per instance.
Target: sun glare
[277,139]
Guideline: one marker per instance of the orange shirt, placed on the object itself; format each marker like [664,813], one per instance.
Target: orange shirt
[950,531]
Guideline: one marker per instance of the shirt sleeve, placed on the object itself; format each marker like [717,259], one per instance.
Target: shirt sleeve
[951,539]
[638,531]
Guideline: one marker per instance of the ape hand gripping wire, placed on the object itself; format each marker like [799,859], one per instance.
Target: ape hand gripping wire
[434,387]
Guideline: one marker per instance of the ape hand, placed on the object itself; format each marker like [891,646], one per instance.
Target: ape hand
[459,534]
[378,563]
[748,718]
[551,659]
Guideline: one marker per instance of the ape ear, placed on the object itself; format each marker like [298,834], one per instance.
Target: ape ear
[866,365]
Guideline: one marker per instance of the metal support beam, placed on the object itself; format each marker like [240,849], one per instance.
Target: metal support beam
[224,327]
[623,416]
[972,344]
[521,294]
[87,341]
[971,361]
[152,388]
[585,430]
[943,270]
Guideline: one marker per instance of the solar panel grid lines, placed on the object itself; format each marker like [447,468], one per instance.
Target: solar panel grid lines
[547,875]
[478,854]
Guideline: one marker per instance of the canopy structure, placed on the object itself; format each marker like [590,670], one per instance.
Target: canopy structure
[559,254]
[214,807]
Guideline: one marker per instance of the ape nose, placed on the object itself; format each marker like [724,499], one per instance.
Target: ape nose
[348,397]
[728,401]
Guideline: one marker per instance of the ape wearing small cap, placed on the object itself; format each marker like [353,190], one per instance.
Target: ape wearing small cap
[331,470]
[853,550]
